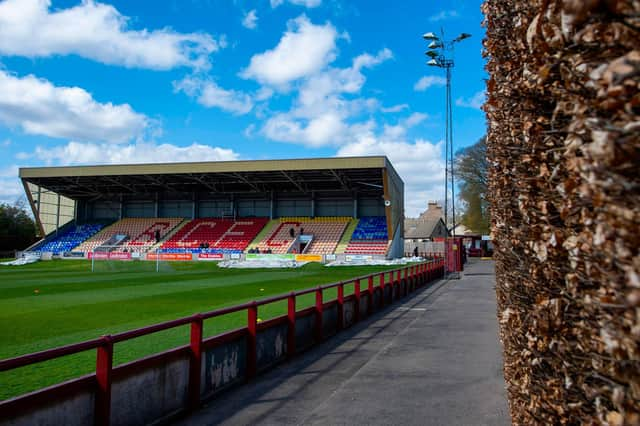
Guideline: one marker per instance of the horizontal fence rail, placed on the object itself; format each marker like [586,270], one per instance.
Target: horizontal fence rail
[371,287]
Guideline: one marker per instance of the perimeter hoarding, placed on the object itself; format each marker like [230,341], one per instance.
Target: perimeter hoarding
[109,255]
[170,256]
[210,256]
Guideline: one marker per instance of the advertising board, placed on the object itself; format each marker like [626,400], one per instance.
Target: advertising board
[210,256]
[73,254]
[103,255]
[308,258]
[170,256]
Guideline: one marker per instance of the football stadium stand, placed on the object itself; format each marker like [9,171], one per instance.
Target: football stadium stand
[214,236]
[369,237]
[326,232]
[325,196]
[69,239]
[139,233]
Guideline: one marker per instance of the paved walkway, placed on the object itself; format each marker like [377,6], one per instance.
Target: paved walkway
[433,360]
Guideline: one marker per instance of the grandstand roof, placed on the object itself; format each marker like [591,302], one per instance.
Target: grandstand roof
[347,174]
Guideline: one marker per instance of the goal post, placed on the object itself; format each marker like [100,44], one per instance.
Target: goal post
[121,259]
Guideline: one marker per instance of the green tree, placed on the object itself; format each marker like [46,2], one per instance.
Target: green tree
[17,229]
[471,167]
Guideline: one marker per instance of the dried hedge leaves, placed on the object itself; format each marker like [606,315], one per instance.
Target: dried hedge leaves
[563,105]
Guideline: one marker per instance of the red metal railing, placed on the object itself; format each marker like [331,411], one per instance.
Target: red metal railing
[412,276]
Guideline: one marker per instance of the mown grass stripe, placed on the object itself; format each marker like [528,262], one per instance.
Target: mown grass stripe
[74,304]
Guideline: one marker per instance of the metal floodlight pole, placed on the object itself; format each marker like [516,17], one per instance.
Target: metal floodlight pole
[438,54]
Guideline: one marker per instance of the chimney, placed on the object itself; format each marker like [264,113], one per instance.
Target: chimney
[434,211]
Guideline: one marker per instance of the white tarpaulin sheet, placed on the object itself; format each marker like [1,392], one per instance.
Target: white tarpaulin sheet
[372,262]
[261,263]
[27,258]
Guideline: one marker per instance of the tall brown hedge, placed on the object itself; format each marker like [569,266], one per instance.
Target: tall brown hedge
[563,104]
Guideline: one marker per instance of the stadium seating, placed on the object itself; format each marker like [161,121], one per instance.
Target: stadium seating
[141,233]
[369,237]
[326,233]
[68,239]
[220,235]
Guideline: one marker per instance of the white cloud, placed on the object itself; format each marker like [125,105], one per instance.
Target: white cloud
[428,81]
[209,94]
[6,143]
[415,119]
[10,186]
[476,101]
[305,3]
[141,152]
[318,89]
[399,131]
[250,20]
[443,15]
[99,32]
[419,163]
[320,113]
[40,108]
[395,108]
[249,131]
[304,49]
[264,93]
[321,130]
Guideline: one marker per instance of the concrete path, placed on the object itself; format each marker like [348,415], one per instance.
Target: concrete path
[433,360]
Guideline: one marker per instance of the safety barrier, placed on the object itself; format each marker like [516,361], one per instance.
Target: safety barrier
[167,383]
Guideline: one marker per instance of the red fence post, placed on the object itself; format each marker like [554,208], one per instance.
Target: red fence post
[340,306]
[319,314]
[370,302]
[104,367]
[381,290]
[356,305]
[195,362]
[252,341]
[406,282]
[412,277]
[291,319]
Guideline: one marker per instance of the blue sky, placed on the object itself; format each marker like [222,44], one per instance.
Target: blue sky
[133,81]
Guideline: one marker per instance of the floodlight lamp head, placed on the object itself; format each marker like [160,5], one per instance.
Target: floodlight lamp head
[430,36]
[431,54]
[462,36]
[434,45]
[433,63]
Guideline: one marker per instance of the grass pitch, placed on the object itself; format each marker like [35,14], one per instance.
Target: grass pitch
[49,304]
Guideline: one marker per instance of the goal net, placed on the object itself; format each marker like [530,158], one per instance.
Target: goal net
[121,259]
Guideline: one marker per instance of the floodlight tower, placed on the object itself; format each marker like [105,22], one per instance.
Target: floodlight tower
[441,55]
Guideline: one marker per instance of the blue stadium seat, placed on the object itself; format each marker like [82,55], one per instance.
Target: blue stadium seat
[370,228]
[69,239]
